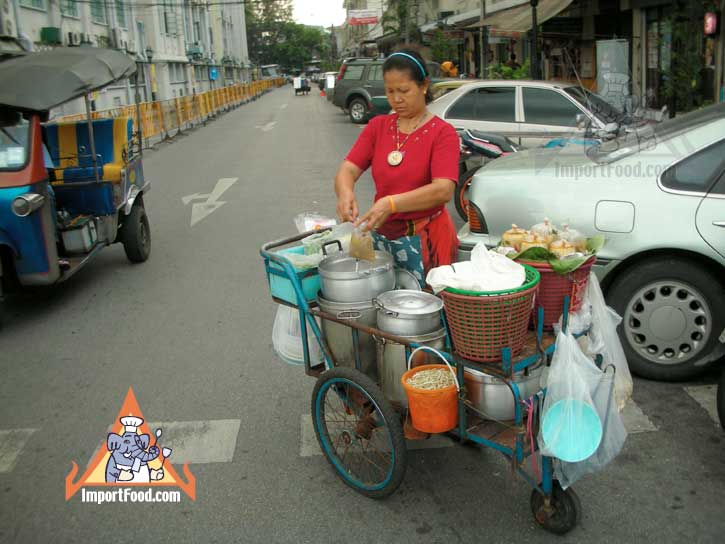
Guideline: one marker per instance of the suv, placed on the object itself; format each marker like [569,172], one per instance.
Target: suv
[360,89]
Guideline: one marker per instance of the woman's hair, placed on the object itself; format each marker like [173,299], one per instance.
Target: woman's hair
[410,62]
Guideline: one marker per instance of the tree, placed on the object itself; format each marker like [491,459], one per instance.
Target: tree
[442,48]
[265,20]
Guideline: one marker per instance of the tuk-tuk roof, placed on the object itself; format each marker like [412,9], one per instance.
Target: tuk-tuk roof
[41,81]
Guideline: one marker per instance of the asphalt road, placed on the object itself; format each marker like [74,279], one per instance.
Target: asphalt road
[190,331]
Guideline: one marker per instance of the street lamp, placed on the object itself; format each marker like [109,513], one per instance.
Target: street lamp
[149,57]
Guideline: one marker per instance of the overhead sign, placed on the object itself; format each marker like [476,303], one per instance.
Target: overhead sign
[362,17]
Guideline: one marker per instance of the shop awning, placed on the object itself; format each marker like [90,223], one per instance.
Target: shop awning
[458,20]
[518,19]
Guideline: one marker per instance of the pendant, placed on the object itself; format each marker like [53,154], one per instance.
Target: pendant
[395,158]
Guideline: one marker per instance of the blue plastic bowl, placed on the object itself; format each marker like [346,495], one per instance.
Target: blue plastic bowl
[572,430]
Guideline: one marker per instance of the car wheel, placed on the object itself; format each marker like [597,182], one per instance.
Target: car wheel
[136,235]
[358,111]
[672,312]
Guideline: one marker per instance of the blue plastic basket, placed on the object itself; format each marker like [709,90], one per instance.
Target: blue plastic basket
[281,286]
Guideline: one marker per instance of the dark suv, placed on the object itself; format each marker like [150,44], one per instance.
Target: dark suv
[360,89]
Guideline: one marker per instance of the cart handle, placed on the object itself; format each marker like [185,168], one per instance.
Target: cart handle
[266,250]
[438,353]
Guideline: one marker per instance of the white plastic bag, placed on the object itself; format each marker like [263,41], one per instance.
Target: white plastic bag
[486,271]
[570,426]
[604,340]
[287,338]
[614,434]
[311,221]
[314,242]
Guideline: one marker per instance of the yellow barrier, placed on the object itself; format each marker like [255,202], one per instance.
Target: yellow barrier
[166,118]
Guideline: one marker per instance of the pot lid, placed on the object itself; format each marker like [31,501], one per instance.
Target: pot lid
[409,302]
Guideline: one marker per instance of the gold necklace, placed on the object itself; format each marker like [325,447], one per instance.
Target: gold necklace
[396,157]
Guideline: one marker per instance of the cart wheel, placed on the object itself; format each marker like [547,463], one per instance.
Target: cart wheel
[563,513]
[359,432]
[136,235]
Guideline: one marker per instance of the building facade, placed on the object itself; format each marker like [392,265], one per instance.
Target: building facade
[182,47]
[361,39]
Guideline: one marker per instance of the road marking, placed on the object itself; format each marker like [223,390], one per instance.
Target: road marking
[12,443]
[266,128]
[309,446]
[203,209]
[635,420]
[705,395]
[283,106]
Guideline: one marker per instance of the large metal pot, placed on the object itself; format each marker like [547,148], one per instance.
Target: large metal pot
[345,279]
[339,337]
[408,313]
[493,397]
[392,362]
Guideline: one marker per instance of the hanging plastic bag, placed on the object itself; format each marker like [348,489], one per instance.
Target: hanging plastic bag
[570,426]
[545,230]
[604,340]
[361,244]
[614,434]
[287,338]
[314,242]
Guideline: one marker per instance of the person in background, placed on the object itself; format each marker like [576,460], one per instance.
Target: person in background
[449,69]
[511,63]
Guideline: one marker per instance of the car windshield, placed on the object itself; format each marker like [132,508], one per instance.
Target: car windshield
[649,135]
[14,136]
[596,104]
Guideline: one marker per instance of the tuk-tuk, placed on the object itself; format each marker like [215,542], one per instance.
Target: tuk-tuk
[67,189]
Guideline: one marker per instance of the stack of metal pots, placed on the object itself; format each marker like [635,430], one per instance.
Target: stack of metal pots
[348,288]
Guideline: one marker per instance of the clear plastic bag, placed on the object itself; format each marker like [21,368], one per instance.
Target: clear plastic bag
[546,230]
[312,220]
[574,237]
[604,340]
[361,244]
[287,338]
[314,242]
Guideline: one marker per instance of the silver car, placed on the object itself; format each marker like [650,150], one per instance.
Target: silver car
[658,196]
[530,113]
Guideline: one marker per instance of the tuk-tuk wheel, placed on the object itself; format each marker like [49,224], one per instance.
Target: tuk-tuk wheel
[136,235]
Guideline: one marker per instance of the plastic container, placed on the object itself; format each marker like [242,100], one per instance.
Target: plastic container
[571,430]
[281,287]
[287,338]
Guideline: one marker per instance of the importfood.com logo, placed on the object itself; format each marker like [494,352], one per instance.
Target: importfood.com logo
[129,467]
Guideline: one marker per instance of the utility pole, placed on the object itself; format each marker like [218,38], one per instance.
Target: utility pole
[483,43]
[534,41]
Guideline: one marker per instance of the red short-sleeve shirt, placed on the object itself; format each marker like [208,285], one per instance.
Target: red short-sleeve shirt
[431,152]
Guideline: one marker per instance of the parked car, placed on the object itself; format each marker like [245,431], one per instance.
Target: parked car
[530,113]
[360,89]
[658,196]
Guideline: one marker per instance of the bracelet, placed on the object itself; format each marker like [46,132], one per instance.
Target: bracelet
[392,204]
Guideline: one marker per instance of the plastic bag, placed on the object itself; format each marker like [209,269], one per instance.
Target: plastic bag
[314,242]
[486,271]
[361,245]
[579,321]
[287,338]
[545,230]
[614,434]
[304,262]
[311,221]
[604,340]
[570,427]
[574,237]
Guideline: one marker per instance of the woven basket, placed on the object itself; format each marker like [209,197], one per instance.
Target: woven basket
[554,287]
[482,324]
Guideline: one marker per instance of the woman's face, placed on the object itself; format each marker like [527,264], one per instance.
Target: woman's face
[405,95]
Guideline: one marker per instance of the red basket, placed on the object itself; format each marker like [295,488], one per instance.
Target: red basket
[554,287]
[481,326]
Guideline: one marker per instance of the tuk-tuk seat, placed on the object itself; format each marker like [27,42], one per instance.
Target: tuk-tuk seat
[70,149]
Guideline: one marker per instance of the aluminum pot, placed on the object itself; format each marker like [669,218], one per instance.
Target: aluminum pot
[392,362]
[408,313]
[339,337]
[345,279]
[493,397]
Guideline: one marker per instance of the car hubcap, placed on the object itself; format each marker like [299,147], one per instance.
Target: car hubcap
[357,111]
[668,322]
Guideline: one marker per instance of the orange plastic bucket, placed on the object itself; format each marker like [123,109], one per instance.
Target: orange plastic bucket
[431,410]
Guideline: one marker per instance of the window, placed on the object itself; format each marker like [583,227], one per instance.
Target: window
[168,18]
[353,71]
[494,104]
[376,72]
[98,11]
[545,107]
[14,138]
[697,172]
[38,4]
[69,8]
[121,13]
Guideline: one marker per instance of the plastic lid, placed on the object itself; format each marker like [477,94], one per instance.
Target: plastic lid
[409,302]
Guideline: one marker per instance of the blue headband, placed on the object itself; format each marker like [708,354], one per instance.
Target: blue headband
[411,57]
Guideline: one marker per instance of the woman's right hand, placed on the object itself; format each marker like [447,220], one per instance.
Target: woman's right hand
[347,209]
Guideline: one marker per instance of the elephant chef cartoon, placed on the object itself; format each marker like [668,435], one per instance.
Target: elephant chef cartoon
[129,456]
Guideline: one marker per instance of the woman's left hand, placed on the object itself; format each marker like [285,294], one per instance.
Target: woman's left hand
[377,215]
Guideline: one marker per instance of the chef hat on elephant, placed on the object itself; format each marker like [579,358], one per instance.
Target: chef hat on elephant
[131,423]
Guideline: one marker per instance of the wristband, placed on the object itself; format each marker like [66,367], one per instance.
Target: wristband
[392,204]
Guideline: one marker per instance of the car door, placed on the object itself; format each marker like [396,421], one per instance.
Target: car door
[488,108]
[375,86]
[547,114]
[703,174]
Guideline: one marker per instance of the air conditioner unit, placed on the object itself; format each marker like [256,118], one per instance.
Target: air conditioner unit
[74,38]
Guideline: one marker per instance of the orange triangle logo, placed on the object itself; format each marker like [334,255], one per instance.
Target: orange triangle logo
[130,456]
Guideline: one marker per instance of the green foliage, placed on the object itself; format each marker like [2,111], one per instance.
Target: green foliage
[442,48]
[501,71]
[682,78]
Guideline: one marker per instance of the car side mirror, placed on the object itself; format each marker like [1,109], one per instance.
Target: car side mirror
[581,120]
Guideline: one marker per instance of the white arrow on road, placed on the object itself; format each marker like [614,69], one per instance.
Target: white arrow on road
[200,210]
[266,128]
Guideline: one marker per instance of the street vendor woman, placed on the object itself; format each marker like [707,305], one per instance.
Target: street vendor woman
[414,157]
